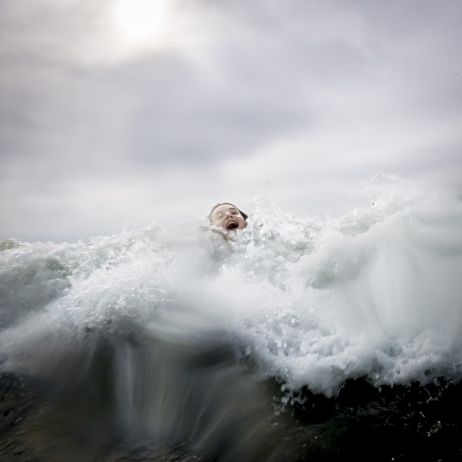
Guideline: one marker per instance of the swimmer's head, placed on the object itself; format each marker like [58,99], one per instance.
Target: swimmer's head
[227,216]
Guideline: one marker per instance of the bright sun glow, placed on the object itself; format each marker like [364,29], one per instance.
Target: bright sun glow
[143,22]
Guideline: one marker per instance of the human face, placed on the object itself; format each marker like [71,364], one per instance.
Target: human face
[228,217]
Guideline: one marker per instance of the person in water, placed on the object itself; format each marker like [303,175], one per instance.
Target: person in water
[227,217]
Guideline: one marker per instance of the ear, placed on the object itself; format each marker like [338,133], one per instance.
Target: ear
[244,215]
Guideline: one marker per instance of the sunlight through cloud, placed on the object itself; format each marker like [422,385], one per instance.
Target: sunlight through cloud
[143,23]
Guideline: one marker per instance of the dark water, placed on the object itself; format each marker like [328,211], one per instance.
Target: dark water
[130,396]
[196,401]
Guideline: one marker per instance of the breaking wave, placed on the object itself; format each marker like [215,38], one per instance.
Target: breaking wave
[312,301]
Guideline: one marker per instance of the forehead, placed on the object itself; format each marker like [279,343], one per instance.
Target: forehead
[223,208]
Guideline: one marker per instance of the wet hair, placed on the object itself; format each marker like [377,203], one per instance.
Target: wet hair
[244,215]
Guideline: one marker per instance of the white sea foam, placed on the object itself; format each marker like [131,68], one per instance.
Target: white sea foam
[313,300]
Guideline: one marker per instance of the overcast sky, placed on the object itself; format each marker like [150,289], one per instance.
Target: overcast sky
[124,113]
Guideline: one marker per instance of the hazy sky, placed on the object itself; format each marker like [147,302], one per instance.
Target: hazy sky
[124,113]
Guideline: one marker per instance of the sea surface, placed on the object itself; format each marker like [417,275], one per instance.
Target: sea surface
[299,338]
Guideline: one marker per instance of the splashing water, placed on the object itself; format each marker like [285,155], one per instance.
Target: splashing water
[311,301]
[315,301]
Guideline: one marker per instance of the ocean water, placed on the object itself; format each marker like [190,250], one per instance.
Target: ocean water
[168,335]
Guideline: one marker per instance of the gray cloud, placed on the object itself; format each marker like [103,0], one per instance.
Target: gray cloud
[365,87]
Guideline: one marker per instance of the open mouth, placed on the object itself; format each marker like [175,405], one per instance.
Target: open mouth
[232,225]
